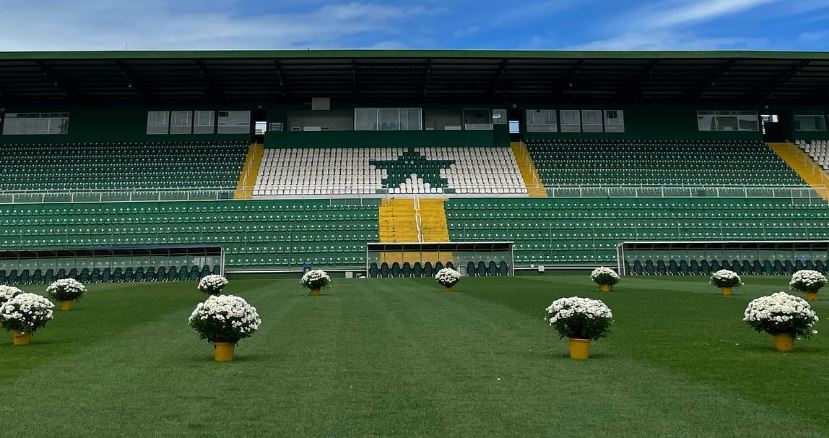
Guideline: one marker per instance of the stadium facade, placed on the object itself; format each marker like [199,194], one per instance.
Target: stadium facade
[288,158]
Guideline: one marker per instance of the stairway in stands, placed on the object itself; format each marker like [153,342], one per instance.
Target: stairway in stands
[535,188]
[805,167]
[398,221]
[432,215]
[247,178]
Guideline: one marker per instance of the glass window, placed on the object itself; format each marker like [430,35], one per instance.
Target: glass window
[477,119]
[410,119]
[36,123]
[204,122]
[365,119]
[234,122]
[181,122]
[570,120]
[727,121]
[541,120]
[809,122]
[499,117]
[389,119]
[591,121]
[614,121]
[158,122]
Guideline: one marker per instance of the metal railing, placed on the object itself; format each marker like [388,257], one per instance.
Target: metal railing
[378,191]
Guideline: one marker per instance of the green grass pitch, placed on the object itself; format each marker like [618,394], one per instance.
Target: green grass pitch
[403,358]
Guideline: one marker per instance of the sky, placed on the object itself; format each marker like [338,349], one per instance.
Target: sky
[414,24]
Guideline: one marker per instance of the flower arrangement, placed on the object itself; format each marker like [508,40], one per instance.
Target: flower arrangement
[782,315]
[212,284]
[225,318]
[604,277]
[25,313]
[315,279]
[580,318]
[807,281]
[448,277]
[8,292]
[66,289]
[725,279]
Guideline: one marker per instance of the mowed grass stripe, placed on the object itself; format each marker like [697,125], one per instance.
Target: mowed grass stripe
[687,329]
[403,358]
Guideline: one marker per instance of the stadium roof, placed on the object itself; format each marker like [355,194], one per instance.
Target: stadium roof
[390,74]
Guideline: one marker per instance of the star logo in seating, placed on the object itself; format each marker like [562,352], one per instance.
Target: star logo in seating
[413,162]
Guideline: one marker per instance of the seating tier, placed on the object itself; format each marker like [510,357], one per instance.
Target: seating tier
[253,233]
[121,166]
[371,171]
[563,163]
[582,231]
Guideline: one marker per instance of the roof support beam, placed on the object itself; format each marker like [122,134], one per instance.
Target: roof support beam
[781,80]
[280,77]
[212,88]
[426,76]
[562,87]
[132,82]
[635,88]
[52,77]
[496,81]
[711,79]
[353,78]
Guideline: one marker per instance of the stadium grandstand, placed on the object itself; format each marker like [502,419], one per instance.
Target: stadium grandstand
[118,161]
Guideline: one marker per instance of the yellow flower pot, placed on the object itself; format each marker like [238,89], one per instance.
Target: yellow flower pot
[811,295]
[315,292]
[65,304]
[604,288]
[579,348]
[784,342]
[21,338]
[223,351]
[447,289]
[727,291]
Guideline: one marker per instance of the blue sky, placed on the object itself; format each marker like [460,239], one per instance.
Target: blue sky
[414,24]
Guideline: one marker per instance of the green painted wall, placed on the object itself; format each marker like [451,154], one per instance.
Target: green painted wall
[498,137]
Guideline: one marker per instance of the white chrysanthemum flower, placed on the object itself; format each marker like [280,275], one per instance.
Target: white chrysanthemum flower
[315,279]
[66,289]
[604,275]
[448,277]
[781,313]
[8,292]
[225,318]
[576,317]
[212,284]
[26,312]
[725,278]
[807,280]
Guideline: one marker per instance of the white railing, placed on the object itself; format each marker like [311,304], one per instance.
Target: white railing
[378,191]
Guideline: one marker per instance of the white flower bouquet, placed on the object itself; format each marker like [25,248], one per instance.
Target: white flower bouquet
[603,275]
[580,318]
[212,284]
[26,313]
[66,289]
[781,313]
[725,278]
[225,318]
[315,279]
[807,281]
[8,292]
[448,277]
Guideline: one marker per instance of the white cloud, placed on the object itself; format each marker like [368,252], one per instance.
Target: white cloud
[660,40]
[171,24]
[698,11]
